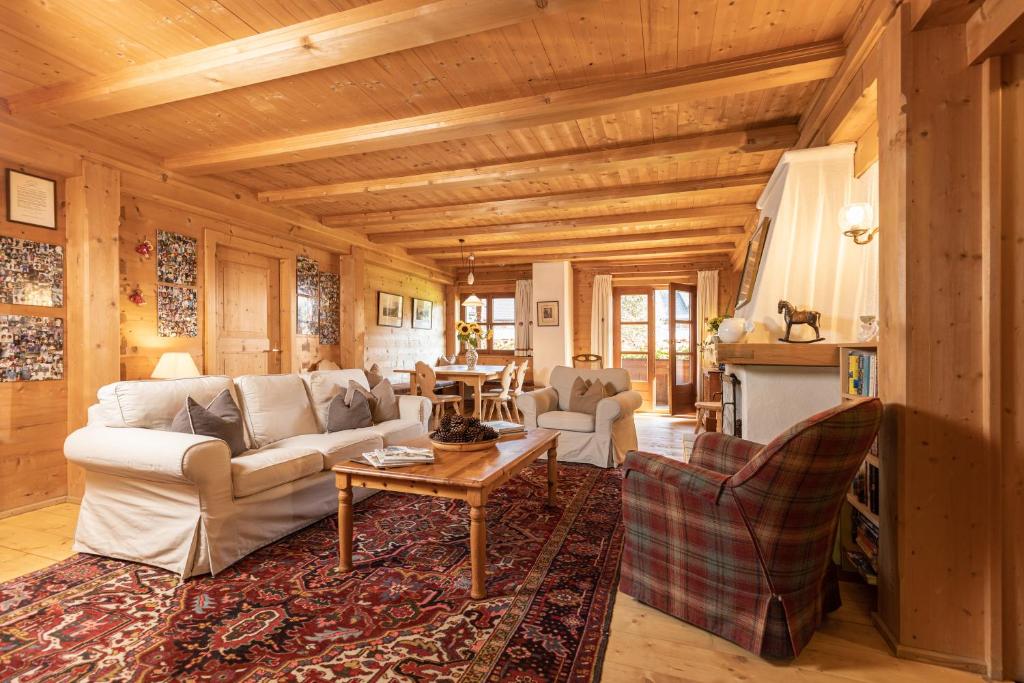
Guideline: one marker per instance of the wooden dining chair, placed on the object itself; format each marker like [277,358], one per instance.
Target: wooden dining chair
[497,402]
[426,382]
[518,389]
[587,360]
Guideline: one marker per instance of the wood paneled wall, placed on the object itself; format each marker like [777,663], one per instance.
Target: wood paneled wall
[401,347]
[582,309]
[33,415]
[141,346]
[1009,476]
[951,311]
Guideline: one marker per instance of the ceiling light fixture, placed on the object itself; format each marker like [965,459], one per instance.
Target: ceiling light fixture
[471,301]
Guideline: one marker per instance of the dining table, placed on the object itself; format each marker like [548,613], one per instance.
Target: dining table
[474,377]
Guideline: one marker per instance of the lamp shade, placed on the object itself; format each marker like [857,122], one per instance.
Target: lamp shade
[472,301]
[175,365]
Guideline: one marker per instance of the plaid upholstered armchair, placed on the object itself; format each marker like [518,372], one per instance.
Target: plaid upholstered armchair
[739,541]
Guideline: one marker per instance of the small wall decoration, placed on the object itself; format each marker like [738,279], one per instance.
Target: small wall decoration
[137,297]
[176,312]
[307,286]
[144,248]
[31,273]
[175,259]
[330,312]
[31,348]
[422,314]
[389,309]
[547,314]
[31,199]
[752,263]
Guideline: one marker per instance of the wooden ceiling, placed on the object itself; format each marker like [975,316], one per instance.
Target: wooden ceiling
[602,131]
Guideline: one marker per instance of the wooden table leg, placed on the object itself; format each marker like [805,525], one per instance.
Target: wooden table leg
[552,475]
[345,525]
[478,549]
[478,386]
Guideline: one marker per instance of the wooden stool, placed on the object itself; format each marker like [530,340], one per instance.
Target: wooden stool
[498,401]
[706,409]
[426,380]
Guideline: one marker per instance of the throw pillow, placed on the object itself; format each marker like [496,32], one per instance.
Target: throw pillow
[386,408]
[586,402]
[221,419]
[373,376]
[382,400]
[343,415]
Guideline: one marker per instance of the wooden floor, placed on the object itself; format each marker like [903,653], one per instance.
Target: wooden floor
[646,646]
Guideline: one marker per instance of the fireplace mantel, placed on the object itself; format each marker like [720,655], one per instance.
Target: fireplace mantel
[809,355]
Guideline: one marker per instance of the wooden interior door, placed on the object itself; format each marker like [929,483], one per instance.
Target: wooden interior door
[682,349]
[634,338]
[248,332]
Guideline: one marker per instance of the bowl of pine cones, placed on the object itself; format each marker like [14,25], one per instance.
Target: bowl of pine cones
[461,433]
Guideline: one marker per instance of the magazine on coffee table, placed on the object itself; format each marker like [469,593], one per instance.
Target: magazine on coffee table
[505,427]
[399,456]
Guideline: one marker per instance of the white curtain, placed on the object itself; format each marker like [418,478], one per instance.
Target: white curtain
[524,317]
[707,308]
[601,319]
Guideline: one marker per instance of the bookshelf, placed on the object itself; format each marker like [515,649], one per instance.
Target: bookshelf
[861,524]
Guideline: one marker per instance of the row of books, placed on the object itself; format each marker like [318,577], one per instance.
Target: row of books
[866,486]
[862,373]
[864,534]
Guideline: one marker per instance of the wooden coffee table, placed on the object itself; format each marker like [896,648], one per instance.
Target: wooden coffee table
[462,476]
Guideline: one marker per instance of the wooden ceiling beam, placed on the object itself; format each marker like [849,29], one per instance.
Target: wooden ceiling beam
[632,254]
[506,208]
[363,32]
[686,149]
[632,265]
[729,77]
[996,28]
[570,225]
[576,242]
[926,14]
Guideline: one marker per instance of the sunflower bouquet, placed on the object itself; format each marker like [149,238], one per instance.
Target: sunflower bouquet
[471,333]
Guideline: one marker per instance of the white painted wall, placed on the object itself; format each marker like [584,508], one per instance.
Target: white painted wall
[807,260]
[552,281]
[774,398]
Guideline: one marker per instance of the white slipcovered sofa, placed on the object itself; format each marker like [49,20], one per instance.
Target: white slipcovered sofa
[181,502]
[602,439]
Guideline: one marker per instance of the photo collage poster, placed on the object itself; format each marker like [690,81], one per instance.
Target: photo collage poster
[307,287]
[177,271]
[31,273]
[330,308]
[31,348]
[318,302]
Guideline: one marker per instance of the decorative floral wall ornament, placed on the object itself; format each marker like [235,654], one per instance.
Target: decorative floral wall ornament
[137,297]
[144,248]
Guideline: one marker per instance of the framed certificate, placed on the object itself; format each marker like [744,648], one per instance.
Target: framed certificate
[31,199]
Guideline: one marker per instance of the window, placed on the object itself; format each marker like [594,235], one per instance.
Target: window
[499,314]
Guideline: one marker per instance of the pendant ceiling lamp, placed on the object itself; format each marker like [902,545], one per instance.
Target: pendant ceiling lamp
[471,301]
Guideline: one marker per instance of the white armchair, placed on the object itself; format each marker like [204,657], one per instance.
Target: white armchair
[602,439]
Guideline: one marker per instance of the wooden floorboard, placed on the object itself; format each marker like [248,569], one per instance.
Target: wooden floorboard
[646,646]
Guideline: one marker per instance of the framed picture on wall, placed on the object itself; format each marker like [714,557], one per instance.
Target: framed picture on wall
[752,263]
[422,314]
[547,314]
[389,309]
[31,199]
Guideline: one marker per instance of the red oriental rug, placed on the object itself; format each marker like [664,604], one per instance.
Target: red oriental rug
[403,614]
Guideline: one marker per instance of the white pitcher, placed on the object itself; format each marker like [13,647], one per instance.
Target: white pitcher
[732,330]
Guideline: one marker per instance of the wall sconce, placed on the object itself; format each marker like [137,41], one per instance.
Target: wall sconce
[857,221]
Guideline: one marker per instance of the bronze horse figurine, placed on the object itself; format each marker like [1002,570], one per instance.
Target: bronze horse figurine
[794,316]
